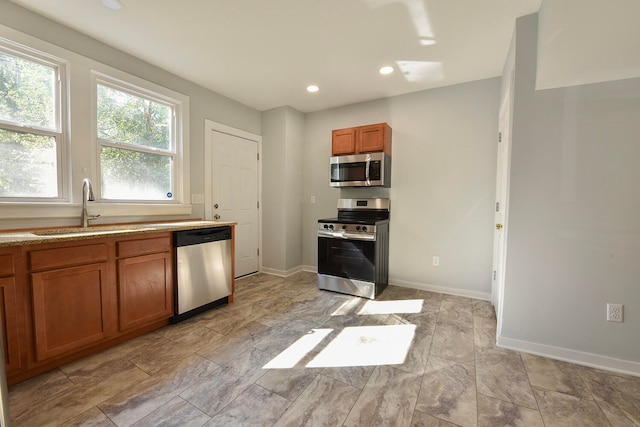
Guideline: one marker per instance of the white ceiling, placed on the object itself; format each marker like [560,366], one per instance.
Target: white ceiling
[264,53]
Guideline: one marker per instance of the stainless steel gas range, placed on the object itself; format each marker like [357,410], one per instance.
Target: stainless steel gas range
[353,249]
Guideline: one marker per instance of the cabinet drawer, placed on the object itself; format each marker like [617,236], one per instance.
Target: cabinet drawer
[47,259]
[6,265]
[128,248]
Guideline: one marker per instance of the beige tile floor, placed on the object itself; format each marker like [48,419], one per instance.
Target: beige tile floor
[287,354]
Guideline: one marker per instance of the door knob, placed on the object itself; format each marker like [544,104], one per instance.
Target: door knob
[499,226]
[216,217]
[215,206]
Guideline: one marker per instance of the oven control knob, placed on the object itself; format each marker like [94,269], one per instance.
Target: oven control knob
[331,226]
[344,227]
[364,228]
[357,228]
[326,226]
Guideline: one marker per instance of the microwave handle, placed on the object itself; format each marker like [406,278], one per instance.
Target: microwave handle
[366,169]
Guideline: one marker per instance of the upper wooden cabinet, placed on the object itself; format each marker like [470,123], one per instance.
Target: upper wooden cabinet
[361,139]
[343,141]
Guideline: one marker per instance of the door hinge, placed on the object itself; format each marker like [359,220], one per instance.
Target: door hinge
[497,206]
[258,251]
[258,156]
[494,275]
[499,136]
[258,204]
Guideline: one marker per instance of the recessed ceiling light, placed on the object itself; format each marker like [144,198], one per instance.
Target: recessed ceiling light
[427,42]
[386,70]
[312,88]
[112,4]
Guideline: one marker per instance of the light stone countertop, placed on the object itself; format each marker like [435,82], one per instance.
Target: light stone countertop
[62,234]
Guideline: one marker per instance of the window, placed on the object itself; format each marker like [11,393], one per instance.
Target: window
[137,143]
[31,117]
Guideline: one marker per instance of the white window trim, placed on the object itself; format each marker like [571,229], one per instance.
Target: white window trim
[180,205]
[79,162]
[61,131]
[160,95]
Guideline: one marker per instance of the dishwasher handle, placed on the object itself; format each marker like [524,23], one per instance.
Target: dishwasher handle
[201,235]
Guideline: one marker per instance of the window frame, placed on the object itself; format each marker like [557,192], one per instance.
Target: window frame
[142,90]
[60,132]
[78,157]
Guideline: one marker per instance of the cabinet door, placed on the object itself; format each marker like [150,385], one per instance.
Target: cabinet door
[343,141]
[145,290]
[70,308]
[9,318]
[372,138]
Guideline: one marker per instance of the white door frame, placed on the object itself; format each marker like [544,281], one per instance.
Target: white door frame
[209,127]
[503,175]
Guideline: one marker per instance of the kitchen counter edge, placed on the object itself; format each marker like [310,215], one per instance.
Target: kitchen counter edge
[26,237]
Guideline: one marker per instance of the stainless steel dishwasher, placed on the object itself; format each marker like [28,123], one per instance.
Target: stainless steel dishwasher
[203,270]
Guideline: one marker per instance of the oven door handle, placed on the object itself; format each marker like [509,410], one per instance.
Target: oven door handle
[346,235]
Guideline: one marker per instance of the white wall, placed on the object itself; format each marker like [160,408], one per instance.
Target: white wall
[273,198]
[204,104]
[587,41]
[293,187]
[574,228]
[282,137]
[442,183]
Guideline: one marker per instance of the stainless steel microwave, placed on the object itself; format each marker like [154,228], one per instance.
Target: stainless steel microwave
[361,170]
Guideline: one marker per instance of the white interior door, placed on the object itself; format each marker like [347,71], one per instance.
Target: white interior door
[502,204]
[234,194]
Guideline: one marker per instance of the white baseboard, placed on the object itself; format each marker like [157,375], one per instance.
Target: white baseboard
[281,273]
[571,356]
[310,268]
[486,296]
[413,285]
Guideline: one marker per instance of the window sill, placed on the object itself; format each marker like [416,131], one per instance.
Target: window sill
[22,211]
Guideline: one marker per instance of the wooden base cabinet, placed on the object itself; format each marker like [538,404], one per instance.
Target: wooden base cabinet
[145,281]
[71,309]
[9,309]
[145,290]
[9,319]
[71,297]
[64,300]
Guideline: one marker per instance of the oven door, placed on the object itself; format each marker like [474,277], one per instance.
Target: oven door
[347,258]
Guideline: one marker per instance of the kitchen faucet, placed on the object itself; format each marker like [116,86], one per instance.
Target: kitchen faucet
[87,196]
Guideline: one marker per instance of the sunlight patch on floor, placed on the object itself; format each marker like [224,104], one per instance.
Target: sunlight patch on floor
[347,307]
[392,307]
[366,346]
[296,351]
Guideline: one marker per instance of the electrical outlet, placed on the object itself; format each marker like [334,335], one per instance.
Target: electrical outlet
[436,261]
[615,312]
[197,199]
